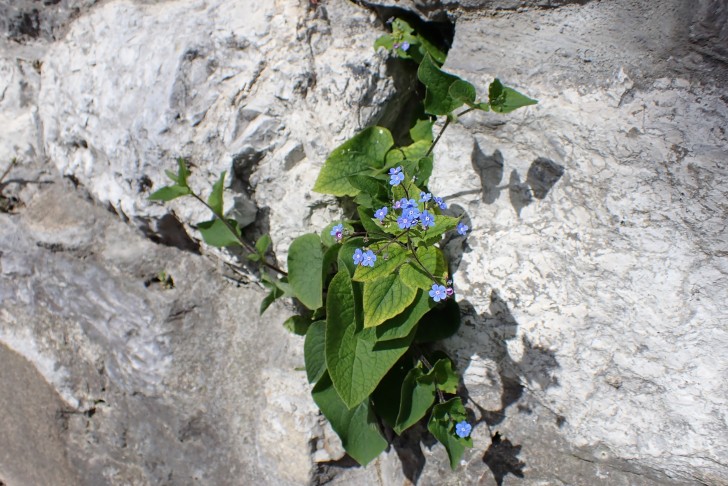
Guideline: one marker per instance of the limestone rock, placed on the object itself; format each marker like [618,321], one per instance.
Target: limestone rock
[262,90]
[594,275]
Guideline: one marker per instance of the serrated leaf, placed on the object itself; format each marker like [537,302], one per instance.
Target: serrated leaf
[262,245]
[442,376]
[440,323]
[437,97]
[364,151]
[314,351]
[168,193]
[356,365]
[386,264]
[357,428]
[422,131]
[215,199]
[402,324]
[462,91]
[216,233]
[442,426]
[305,262]
[384,298]
[415,401]
[504,99]
[414,276]
[386,41]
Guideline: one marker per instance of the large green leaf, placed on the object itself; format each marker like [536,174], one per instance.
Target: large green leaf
[434,234]
[305,262]
[387,263]
[356,364]
[216,233]
[422,131]
[357,428]
[402,324]
[442,426]
[384,298]
[387,394]
[365,151]
[413,275]
[346,254]
[416,400]
[215,199]
[462,91]
[442,375]
[438,100]
[314,351]
[504,99]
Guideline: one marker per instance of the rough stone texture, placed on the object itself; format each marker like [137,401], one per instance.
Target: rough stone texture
[43,20]
[148,384]
[263,90]
[595,274]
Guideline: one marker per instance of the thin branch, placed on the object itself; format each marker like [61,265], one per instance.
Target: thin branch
[442,130]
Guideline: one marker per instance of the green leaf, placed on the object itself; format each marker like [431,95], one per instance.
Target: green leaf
[416,400]
[215,199]
[368,184]
[504,99]
[386,41]
[253,257]
[357,428]
[400,26]
[422,131]
[183,172]
[275,293]
[427,47]
[356,364]
[434,234]
[383,266]
[442,426]
[314,351]
[384,298]
[402,324]
[462,91]
[443,376]
[216,233]
[362,152]
[298,325]
[369,222]
[305,262]
[437,97]
[329,264]
[424,170]
[414,276]
[262,245]
[167,193]
[386,397]
[440,323]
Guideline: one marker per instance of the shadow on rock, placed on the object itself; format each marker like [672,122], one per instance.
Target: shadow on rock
[502,459]
[542,175]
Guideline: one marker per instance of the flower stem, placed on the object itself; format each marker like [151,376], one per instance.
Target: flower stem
[442,130]
[240,239]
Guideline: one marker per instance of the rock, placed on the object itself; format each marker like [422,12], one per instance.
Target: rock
[593,277]
[263,91]
[46,20]
[134,377]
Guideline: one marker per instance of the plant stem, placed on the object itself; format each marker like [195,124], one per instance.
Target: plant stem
[240,239]
[429,367]
[442,130]
[7,171]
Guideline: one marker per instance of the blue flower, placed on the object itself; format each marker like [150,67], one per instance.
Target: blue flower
[462,228]
[463,429]
[369,259]
[381,213]
[438,292]
[337,231]
[405,203]
[395,176]
[358,256]
[405,45]
[440,202]
[411,213]
[406,222]
[425,196]
[427,219]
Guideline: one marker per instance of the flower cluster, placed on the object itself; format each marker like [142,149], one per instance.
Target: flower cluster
[364,258]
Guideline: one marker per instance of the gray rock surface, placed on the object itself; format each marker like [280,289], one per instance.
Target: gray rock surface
[595,272]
